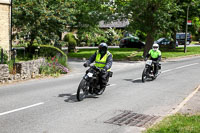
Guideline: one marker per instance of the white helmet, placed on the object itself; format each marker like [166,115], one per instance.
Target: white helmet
[155,46]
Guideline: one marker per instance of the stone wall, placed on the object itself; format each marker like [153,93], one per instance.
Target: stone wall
[4,73]
[4,25]
[24,70]
[29,69]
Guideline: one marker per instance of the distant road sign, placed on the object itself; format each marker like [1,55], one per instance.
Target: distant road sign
[189,22]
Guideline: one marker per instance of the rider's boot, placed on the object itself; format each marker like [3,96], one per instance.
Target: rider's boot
[90,90]
[101,89]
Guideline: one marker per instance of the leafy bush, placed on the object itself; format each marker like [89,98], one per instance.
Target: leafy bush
[5,57]
[51,51]
[70,38]
[94,36]
[54,67]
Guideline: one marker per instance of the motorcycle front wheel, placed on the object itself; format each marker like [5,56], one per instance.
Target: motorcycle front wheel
[144,75]
[82,90]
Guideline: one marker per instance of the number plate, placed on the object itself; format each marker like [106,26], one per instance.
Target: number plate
[149,62]
[90,75]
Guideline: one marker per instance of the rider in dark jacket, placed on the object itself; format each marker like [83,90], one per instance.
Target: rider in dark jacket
[103,60]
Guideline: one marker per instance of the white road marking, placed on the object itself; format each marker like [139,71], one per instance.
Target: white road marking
[74,94]
[111,85]
[136,79]
[172,69]
[179,67]
[19,109]
[184,101]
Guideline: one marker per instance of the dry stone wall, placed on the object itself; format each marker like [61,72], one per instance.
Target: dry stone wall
[24,70]
[4,73]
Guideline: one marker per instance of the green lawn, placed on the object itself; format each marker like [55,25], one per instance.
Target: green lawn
[136,54]
[177,124]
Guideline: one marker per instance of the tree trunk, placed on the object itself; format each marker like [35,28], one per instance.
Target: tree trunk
[174,39]
[149,43]
[30,50]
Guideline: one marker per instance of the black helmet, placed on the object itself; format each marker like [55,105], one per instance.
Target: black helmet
[103,47]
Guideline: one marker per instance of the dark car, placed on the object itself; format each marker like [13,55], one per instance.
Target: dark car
[164,41]
[131,42]
[180,37]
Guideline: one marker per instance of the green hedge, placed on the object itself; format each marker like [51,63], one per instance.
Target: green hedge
[51,51]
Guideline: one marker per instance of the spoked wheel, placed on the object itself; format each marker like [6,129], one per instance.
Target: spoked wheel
[144,75]
[82,90]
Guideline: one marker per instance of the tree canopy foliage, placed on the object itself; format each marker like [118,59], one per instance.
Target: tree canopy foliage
[45,20]
[42,20]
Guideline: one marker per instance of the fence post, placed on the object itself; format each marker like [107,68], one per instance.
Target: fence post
[1,55]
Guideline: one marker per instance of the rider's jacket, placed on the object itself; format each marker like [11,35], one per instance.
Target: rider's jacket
[155,55]
[101,62]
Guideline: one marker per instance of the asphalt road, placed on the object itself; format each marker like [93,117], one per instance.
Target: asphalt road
[50,105]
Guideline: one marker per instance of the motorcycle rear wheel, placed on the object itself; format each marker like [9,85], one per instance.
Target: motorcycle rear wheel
[82,90]
[144,76]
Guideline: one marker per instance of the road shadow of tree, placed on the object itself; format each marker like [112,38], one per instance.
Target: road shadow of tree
[71,98]
[137,80]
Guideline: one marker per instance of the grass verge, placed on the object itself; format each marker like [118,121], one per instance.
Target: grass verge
[135,54]
[177,124]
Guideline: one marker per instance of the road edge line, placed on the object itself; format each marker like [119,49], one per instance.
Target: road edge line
[177,108]
[184,101]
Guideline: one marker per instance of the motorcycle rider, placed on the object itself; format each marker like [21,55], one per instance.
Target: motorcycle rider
[103,60]
[155,55]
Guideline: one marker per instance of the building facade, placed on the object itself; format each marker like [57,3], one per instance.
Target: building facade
[5,24]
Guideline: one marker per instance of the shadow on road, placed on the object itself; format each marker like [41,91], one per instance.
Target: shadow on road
[137,80]
[134,81]
[72,98]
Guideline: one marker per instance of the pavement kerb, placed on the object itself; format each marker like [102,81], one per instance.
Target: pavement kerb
[176,110]
[184,101]
[180,57]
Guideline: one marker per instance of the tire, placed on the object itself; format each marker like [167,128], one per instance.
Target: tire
[144,76]
[153,78]
[82,90]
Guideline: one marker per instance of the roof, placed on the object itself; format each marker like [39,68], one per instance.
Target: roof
[114,24]
[5,1]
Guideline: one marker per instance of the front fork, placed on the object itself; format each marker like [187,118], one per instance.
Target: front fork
[149,70]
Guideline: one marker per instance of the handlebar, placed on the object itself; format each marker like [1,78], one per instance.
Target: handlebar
[94,67]
[152,61]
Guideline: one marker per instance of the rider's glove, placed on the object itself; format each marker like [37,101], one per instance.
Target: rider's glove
[103,71]
[86,64]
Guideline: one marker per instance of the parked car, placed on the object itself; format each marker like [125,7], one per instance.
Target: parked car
[131,42]
[180,37]
[165,41]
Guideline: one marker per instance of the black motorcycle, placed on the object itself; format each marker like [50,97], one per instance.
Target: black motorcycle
[148,72]
[90,84]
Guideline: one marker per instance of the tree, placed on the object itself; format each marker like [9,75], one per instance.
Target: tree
[149,16]
[42,20]
[179,17]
